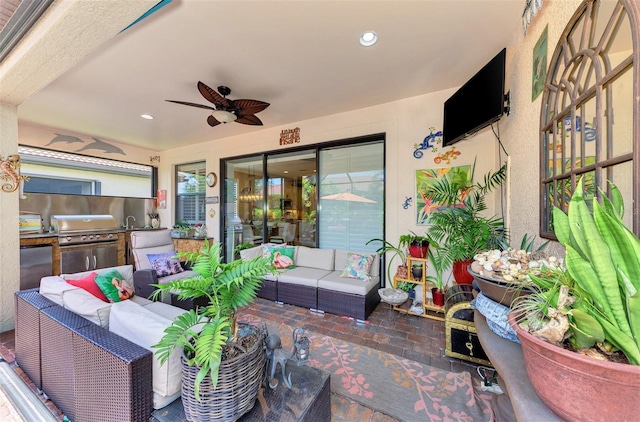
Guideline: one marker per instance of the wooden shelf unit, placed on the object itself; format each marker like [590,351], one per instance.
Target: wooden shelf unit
[429,310]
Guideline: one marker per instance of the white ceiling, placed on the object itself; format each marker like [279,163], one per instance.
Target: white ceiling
[302,57]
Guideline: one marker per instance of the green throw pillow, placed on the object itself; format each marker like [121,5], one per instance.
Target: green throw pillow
[113,286]
[282,257]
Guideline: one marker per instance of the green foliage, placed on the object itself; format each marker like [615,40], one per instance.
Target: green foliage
[397,251]
[440,261]
[407,240]
[526,244]
[603,273]
[203,333]
[459,228]
[405,286]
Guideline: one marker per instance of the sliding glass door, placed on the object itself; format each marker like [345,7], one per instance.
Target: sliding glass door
[286,198]
[243,204]
[351,196]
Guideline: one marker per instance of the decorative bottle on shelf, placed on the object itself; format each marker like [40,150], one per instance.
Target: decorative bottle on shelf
[155,220]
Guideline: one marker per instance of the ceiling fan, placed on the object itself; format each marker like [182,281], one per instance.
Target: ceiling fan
[226,110]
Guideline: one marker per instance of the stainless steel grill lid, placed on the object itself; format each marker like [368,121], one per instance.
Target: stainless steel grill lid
[73,223]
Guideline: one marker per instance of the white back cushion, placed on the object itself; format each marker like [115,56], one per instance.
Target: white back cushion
[83,303]
[145,328]
[314,258]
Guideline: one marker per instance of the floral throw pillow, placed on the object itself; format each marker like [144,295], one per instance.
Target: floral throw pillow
[113,286]
[282,257]
[165,263]
[357,266]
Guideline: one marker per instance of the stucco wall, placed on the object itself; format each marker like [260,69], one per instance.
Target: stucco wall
[404,122]
[10,256]
[520,130]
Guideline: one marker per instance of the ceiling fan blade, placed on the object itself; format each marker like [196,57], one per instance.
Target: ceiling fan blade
[249,106]
[212,121]
[249,119]
[191,104]
[212,95]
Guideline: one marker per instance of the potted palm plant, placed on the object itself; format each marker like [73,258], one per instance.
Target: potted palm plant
[440,261]
[213,361]
[460,228]
[580,328]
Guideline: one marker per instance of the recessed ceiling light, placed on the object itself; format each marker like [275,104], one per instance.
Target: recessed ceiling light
[368,38]
[147,116]
[286,172]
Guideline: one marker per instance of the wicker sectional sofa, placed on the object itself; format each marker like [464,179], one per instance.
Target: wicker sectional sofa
[93,358]
[316,282]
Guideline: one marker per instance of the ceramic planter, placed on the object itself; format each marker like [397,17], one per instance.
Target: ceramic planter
[419,249]
[416,272]
[501,292]
[580,388]
[460,272]
[438,296]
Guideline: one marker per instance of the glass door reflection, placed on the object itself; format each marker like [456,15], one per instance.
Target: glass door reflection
[291,198]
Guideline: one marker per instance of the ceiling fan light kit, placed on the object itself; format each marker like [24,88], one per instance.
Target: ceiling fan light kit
[224,116]
[225,110]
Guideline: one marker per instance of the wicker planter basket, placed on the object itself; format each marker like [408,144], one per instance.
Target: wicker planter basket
[239,382]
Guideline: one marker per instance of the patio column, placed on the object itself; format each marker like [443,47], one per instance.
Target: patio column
[9,209]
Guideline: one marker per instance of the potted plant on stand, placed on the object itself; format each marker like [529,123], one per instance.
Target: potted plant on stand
[459,228]
[218,354]
[580,328]
[397,252]
[416,244]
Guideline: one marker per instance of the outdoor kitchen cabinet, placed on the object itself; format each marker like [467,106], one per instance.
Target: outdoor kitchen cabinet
[88,257]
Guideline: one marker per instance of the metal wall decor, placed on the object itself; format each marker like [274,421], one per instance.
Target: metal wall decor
[429,141]
[290,136]
[11,173]
[407,203]
[447,156]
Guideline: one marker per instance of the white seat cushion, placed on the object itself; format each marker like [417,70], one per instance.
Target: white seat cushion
[145,328]
[302,276]
[337,283]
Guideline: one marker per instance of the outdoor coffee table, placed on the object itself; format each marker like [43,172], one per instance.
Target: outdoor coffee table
[309,400]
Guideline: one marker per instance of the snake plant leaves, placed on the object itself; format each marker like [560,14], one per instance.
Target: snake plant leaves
[588,330]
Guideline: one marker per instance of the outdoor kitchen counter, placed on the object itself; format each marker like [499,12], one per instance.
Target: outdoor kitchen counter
[52,239]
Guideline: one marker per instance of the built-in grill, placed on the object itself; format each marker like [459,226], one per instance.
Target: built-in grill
[78,229]
[87,242]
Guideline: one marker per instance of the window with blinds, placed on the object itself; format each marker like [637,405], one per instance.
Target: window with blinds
[190,192]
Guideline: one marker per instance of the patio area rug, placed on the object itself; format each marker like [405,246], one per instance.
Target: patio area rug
[399,387]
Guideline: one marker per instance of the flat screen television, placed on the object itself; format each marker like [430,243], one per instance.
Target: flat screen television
[477,104]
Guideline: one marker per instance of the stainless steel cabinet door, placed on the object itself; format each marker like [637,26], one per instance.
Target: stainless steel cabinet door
[75,261]
[104,256]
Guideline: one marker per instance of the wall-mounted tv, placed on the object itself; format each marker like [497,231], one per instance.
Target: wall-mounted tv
[477,104]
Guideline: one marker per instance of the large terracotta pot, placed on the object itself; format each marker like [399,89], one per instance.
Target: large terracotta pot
[460,272]
[579,388]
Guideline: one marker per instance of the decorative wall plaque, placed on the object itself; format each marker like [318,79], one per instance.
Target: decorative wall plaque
[290,136]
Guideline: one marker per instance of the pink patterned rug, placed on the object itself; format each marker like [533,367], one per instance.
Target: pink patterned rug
[398,387]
